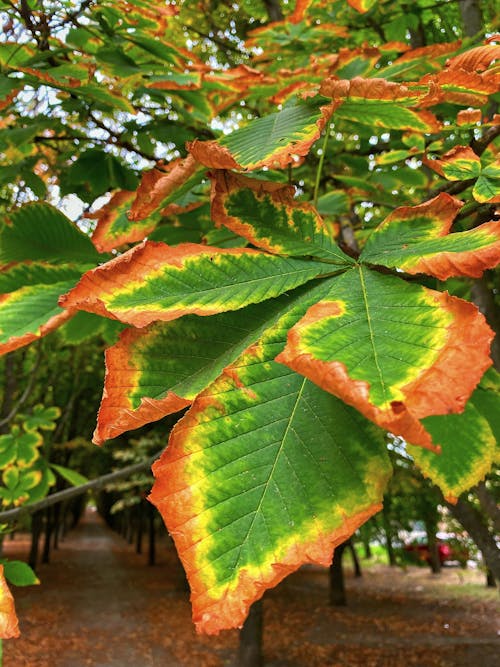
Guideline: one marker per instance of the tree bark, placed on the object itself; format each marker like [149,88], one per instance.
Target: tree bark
[488,505]
[355,559]
[274,11]
[250,647]
[484,300]
[388,536]
[472,17]
[472,521]
[152,535]
[434,562]
[36,529]
[338,596]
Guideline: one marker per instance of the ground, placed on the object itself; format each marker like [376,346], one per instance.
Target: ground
[101,605]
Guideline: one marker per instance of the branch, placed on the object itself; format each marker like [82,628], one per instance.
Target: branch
[117,141]
[9,516]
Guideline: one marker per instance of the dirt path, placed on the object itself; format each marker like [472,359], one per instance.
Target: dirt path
[100,605]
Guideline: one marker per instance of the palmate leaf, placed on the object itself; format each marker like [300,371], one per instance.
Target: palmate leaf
[154,281]
[159,370]
[264,473]
[416,240]
[273,141]
[267,215]
[394,350]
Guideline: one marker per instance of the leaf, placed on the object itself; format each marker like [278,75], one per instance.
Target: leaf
[159,370]
[394,350]
[114,228]
[335,202]
[31,312]
[71,476]
[266,214]
[458,164]
[154,281]
[477,59]
[83,326]
[377,103]
[42,418]
[19,448]
[463,461]
[159,186]
[457,86]
[19,573]
[18,485]
[362,6]
[9,625]
[415,239]
[487,186]
[40,232]
[274,141]
[264,473]
[486,400]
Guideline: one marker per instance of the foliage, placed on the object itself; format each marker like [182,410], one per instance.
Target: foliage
[299,328]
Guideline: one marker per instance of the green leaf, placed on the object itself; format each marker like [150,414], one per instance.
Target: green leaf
[19,574]
[154,281]
[71,476]
[464,460]
[264,473]
[335,202]
[388,347]
[487,186]
[42,418]
[19,448]
[41,232]
[30,313]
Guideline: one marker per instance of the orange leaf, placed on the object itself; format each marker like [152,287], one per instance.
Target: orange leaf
[9,624]
[157,184]
[477,59]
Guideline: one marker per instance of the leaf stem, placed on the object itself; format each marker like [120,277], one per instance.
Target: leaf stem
[320,165]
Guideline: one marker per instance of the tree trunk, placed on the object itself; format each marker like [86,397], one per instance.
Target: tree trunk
[250,647]
[36,529]
[488,505]
[49,524]
[152,536]
[472,17]
[472,521]
[337,585]
[490,579]
[273,8]
[388,536]
[434,561]
[355,559]
[485,301]
[367,548]
[140,528]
